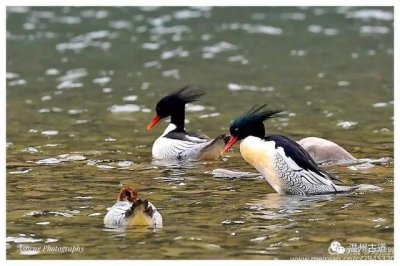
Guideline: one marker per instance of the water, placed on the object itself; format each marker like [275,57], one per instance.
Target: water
[82,84]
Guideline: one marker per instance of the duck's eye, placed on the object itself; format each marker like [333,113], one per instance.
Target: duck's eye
[236,129]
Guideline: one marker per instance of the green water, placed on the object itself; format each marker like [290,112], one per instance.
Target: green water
[330,68]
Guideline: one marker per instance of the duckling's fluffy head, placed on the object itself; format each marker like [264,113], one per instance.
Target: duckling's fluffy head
[128,194]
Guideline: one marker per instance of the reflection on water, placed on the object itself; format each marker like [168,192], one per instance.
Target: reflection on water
[82,84]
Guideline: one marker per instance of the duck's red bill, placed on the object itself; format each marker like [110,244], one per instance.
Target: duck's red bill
[230,143]
[153,122]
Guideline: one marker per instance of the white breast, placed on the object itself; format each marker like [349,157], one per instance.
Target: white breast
[166,148]
[259,154]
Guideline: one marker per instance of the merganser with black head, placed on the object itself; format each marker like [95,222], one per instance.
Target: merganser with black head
[175,142]
[287,167]
[129,210]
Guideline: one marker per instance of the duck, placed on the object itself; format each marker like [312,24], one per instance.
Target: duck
[325,151]
[129,210]
[176,142]
[286,165]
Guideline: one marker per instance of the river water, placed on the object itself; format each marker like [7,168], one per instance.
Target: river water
[82,84]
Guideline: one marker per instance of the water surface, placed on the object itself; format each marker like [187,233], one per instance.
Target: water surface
[82,84]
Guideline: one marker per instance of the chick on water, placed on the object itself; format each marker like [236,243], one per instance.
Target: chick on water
[129,210]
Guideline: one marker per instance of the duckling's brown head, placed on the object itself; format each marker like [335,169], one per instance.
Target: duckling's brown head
[128,194]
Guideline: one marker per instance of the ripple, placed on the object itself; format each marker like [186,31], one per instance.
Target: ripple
[379,105]
[209,115]
[224,173]
[294,16]
[155,63]
[11,75]
[43,223]
[187,14]
[101,80]
[194,107]
[31,150]
[220,47]
[125,163]
[363,166]
[298,52]
[319,29]
[18,9]
[230,222]
[17,82]
[48,161]
[90,39]
[45,98]
[49,132]
[21,239]
[91,13]
[70,79]
[374,30]
[173,73]
[84,197]
[238,87]
[20,172]
[107,90]
[177,30]
[238,58]
[368,14]
[150,46]
[94,214]
[343,83]
[52,72]
[71,157]
[105,167]
[76,111]
[130,98]
[346,124]
[120,24]
[264,29]
[126,108]
[178,52]
[261,238]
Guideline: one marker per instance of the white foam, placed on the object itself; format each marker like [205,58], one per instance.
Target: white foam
[126,108]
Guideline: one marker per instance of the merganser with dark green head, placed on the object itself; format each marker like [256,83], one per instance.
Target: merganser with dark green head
[175,142]
[287,167]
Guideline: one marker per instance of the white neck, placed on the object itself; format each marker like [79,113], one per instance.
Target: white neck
[169,128]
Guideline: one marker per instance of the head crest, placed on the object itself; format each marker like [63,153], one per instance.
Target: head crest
[188,94]
[261,113]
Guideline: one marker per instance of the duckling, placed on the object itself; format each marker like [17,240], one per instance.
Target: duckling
[129,210]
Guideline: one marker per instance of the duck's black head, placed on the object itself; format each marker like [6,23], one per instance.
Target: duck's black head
[250,124]
[174,105]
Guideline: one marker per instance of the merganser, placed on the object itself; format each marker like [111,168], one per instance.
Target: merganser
[323,150]
[287,167]
[175,142]
[129,210]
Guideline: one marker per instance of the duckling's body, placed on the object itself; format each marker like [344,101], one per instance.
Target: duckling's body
[125,213]
[129,210]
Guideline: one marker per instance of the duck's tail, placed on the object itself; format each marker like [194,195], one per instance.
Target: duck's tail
[342,188]
[213,150]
